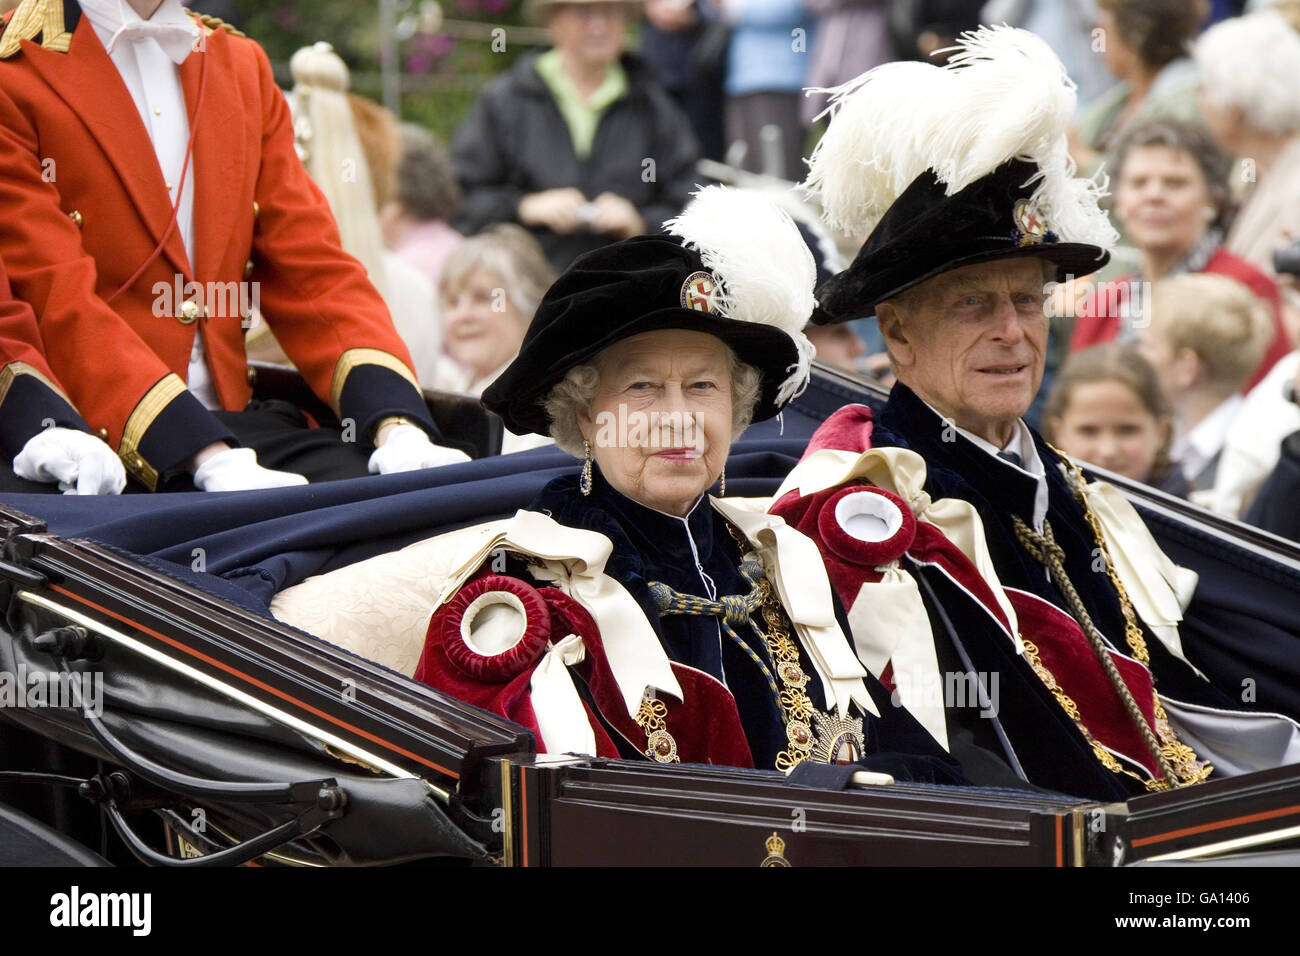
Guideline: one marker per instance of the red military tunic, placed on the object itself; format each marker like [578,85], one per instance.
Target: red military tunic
[29,397]
[85,210]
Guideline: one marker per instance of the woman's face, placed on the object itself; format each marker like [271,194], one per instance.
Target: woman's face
[1163,200]
[1122,60]
[481,327]
[1106,424]
[660,423]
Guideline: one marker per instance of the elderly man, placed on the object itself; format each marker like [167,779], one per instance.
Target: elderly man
[578,143]
[152,199]
[977,215]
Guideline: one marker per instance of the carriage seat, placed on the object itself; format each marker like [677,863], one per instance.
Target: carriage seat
[464,423]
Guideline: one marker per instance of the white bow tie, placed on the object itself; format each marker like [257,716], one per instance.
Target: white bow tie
[176,39]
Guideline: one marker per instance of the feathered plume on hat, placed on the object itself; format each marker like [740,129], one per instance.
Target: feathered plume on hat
[1003,95]
[764,269]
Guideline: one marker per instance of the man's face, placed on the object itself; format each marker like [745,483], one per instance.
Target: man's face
[972,343]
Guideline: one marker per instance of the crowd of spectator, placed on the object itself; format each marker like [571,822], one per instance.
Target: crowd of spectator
[1190,109]
[1174,367]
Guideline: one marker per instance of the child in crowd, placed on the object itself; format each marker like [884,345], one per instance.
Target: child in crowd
[1204,335]
[1107,408]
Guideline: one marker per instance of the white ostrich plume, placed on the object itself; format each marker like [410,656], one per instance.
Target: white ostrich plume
[765,270]
[1003,95]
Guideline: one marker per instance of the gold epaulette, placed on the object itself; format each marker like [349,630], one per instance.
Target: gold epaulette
[33,18]
[216,23]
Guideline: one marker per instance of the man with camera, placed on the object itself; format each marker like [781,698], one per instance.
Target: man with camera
[578,143]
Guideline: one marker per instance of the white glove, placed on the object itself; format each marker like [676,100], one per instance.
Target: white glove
[80,463]
[407,448]
[236,469]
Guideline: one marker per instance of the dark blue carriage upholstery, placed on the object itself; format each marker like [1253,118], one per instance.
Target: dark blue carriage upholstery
[1242,629]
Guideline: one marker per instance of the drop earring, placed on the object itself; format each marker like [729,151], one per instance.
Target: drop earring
[584,480]
[722,483]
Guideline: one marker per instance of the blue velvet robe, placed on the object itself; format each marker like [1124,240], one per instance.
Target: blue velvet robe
[1044,740]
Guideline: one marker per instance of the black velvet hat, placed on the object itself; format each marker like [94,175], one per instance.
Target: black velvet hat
[927,232]
[727,283]
[942,167]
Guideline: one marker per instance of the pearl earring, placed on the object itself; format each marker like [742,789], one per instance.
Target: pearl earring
[584,480]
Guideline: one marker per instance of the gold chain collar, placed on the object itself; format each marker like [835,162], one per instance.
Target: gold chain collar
[810,733]
[1186,768]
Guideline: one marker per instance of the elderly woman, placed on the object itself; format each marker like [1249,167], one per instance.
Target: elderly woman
[490,286]
[1170,197]
[1250,95]
[646,359]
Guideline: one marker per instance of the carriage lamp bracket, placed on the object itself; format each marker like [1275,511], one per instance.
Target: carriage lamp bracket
[69,643]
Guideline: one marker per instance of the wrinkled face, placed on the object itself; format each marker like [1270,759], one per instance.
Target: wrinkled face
[482,329]
[837,345]
[660,423]
[1106,424]
[973,343]
[1163,200]
[590,32]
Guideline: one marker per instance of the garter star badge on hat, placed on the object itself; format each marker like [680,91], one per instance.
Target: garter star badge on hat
[1032,226]
[699,292]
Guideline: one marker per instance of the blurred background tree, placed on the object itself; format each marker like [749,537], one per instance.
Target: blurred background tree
[445,52]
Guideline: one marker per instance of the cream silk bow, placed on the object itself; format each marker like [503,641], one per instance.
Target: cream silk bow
[574,560]
[176,39]
[889,626]
[561,718]
[902,471]
[1159,589]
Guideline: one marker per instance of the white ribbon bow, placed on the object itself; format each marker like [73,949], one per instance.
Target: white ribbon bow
[177,40]
[889,625]
[902,471]
[574,560]
[1159,589]
[794,565]
[561,718]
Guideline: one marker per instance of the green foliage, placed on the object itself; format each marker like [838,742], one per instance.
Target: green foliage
[442,71]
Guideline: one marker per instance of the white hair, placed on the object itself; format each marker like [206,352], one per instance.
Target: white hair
[1252,63]
[578,387]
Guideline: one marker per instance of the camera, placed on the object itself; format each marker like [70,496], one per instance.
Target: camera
[1287,259]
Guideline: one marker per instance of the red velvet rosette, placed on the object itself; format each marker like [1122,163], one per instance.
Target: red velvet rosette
[866,525]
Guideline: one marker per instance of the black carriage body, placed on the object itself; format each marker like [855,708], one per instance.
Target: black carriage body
[216,713]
